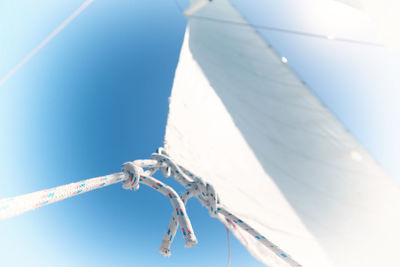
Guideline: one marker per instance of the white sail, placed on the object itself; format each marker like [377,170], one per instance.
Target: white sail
[278,159]
[385,15]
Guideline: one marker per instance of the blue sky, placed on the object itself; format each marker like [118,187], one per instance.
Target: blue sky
[96,96]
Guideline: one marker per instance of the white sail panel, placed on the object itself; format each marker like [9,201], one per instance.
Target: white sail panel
[277,157]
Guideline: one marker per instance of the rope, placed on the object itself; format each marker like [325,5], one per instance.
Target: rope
[135,174]
[289,31]
[191,11]
[229,247]
[165,248]
[14,206]
[46,40]
[205,192]
[132,175]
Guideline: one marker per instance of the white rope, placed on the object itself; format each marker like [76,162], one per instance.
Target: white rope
[196,186]
[165,248]
[13,206]
[132,176]
[229,247]
[46,40]
[136,175]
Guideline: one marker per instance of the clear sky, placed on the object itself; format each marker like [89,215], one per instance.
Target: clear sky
[93,98]
[96,96]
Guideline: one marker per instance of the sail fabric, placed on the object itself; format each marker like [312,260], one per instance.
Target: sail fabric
[277,157]
[385,15]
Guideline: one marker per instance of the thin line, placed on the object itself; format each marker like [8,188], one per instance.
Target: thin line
[229,247]
[178,6]
[288,31]
[45,41]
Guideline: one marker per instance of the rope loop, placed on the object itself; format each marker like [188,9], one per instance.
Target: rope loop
[165,168]
[204,191]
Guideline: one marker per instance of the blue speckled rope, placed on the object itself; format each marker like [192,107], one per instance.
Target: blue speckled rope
[131,177]
[137,175]
[13,206]
[196,186]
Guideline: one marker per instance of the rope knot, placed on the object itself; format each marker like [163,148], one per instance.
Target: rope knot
[207,195]
[203,190]
[162,158]
[133,174]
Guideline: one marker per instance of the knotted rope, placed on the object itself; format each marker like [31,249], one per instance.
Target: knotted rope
[133,174]
[136,175]
[205,192]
